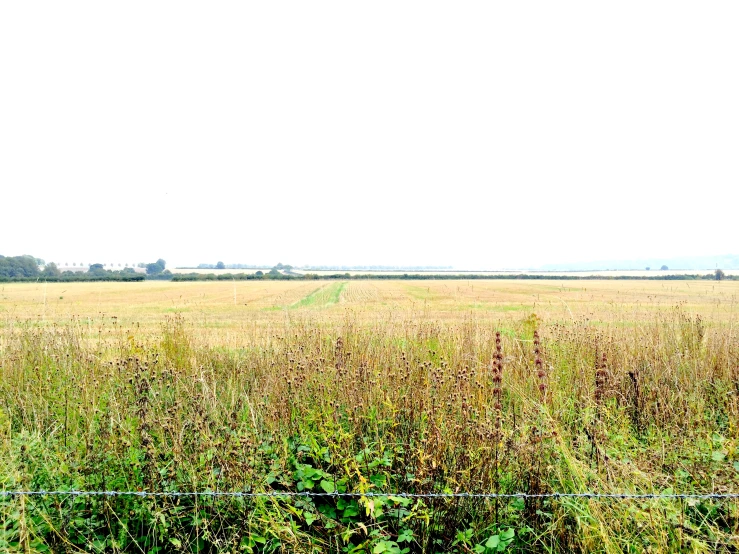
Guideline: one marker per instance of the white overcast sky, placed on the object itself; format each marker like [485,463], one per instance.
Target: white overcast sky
[476,134]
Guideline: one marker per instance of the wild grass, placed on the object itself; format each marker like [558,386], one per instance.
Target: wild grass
[415,405]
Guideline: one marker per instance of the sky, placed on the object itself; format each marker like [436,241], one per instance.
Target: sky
[475,134]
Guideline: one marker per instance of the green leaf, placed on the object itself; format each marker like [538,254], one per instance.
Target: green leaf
[310,518]
[736,466]
[327,486]
[378,480]
[508,534]
[492,542]
[406,535]
[465,536]
[177,543]
[328,511]
[718,456]
[351,511]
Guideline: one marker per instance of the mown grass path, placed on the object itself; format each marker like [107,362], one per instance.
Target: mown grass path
[324,296]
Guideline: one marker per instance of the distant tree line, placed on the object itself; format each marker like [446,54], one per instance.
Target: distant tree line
[18,267]
[71,276]
[275,275]
[27,268]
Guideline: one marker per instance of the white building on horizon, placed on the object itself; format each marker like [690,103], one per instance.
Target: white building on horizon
[83,267]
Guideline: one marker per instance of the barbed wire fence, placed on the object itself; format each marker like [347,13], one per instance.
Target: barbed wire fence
[310,494]
[728,541]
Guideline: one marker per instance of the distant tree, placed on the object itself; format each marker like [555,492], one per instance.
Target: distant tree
[18,266]
[96,268]
[259,274]
[40,262]
[156,268]
[220,265]
[719,275]
[664,268]
[648,268]
[51,270]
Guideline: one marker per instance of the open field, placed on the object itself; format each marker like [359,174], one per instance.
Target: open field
[548,274]
[360,387]
[231,305]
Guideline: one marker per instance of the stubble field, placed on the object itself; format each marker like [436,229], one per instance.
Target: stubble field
[369,388]
[232,306]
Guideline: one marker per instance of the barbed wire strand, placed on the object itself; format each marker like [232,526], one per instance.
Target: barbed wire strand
[310,494]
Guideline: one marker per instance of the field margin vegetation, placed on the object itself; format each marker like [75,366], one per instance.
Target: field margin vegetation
[416,406]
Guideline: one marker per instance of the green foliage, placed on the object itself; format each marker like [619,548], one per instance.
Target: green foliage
[345,408]
[156,268]
[51,270]
[496,543]
[18,267]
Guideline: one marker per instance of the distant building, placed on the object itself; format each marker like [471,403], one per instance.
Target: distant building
[82,267]
[72,266]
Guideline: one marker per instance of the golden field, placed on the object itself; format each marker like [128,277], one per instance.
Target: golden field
[231,305]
